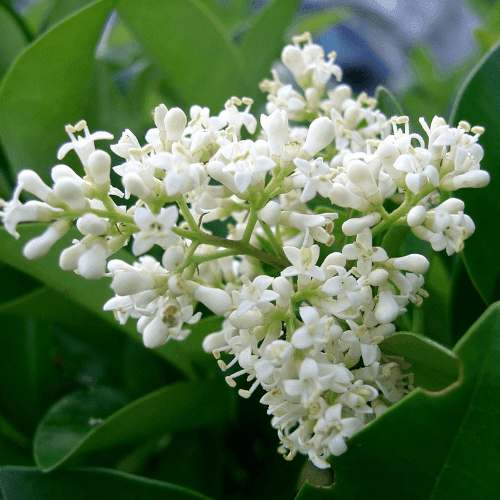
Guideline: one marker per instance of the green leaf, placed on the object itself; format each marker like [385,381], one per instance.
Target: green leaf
[73,427]
[263,42]
[47,87]
[29,483]
[433,445]
[63,9]
[435,367]
[478,103]
[319,21]
[90,295]
[387,103]
[44,303]
[13,39]
[26,371]
[190,47]
[435,309]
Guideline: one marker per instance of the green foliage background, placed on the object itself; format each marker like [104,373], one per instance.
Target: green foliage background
[88,412]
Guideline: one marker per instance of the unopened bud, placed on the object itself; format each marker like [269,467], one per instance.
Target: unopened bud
[217,300]
[321,133]
[175,123]
[415,263]
[100,167]
[354,226]
[39,246]
[416,216]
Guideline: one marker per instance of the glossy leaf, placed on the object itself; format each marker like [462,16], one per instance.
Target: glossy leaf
[91,295]
[478,103]
[85,422]
[26,371]
[435,367]
[263,42]
[29,483]
[433,445]
[47,87]
[13,39]
[190,47]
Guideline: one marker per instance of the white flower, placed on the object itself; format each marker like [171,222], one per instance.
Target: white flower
[333,429]
[303,263]
[254,294]
[363,251]
[154,229]
[83,146]
[314,177]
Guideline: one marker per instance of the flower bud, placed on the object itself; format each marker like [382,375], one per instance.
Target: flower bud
[132,282]
[90,223]
[472,179]
[175,123]
[276,128]
[92,263]
[217,300]
[213,341]
[415,263]
[293,60]
[70,192]
[387,309]
[62,171]
[100,167]
[250,319]
[282,286]
[416,216]
[173,258]
[452,206]
[321,133]
[359,173]
[341,196]
[354,226]
[135,186]
[68,260]
[155,334]
[271,213]
[39,246]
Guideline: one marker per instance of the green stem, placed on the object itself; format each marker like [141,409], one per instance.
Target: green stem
[198,259]
[252,220]
[410,201]
[187,214]
[273,240]
[240,247]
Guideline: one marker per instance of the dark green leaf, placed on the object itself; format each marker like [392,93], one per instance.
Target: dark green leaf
[478,103]
[436,309]
[435,367]
[26,370]
[465,303]
[387,103]
[90,295]
[190,47]
[29,483]
[263,42]
[47,88]
[436,446]
[73,427]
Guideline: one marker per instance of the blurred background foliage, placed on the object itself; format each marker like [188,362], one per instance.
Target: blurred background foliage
[112,63]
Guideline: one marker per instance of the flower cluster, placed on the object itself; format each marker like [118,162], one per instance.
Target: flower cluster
[305,291]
